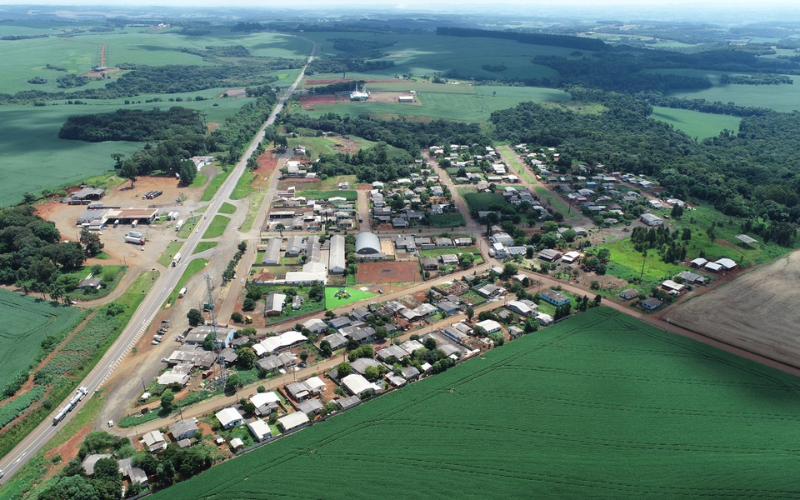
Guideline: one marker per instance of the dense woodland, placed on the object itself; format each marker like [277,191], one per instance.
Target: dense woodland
[133,125]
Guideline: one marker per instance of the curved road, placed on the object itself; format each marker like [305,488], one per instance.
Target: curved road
[147,310]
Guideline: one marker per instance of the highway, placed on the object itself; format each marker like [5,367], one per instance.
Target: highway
[146,311]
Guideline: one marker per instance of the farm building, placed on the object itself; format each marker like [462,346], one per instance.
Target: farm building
[570,257]
[130,215]
[550,255]
[367,244]
[183,429]
[154,441]
[315,325]
[699,262]
[652,220]
[273,305]
[673,287]
[405,99]
[357,385]
[229,417]
[90,283]
[88,194]
[336,263]
[260,430]
[629,293]
[726,263]
[651,303]
[555,298]
[692,278]
[360,95]
[294,246]
[747,240]
[272,255]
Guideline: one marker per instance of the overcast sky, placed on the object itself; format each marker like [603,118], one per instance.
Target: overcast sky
[527,4]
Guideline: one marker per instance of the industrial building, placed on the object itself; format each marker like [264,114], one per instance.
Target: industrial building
[367,244]
[336,261]
[272,255]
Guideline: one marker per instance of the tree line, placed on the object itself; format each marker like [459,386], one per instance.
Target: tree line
[133,125]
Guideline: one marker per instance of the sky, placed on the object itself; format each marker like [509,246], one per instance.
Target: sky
[527,4]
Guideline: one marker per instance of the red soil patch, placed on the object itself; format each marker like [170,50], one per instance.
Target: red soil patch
[264,276]
[69,450]
[212,126]
[387,272]
[315,100]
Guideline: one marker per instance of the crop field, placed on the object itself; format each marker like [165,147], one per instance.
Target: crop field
[26,322]
[784,98]
[754,312]
[600,406]
[483,201]
[217,226]
[332,301]
[695,124]
[472,106]
[447,220]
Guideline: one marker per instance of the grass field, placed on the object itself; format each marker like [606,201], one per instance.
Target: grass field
[323,195]
[188,227]
[626,263]
[476,105]
[166,257]
[447,220]
[557,203]
[192,268]
[332,302]
[204,245]
[695,124]
[217,227]
[308,306]
[214,185]
[599,406]
[244,186]
[27,320]
[784,98]
[254,204]
[227,208]
[482,201]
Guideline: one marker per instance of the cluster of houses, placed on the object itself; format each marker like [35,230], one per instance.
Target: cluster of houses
[420,193]
[316,264]
[297,213]
[463,156]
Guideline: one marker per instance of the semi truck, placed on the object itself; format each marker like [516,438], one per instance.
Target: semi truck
[134,240]
[176,259]
[73,402]
[179,225]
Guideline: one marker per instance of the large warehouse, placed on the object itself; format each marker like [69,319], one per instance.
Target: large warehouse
[367,243]
[336,263]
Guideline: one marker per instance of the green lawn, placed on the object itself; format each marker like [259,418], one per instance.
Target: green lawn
[349,195]
[192,268]
[355,295]
[696,124]
[244,186]
[227,208]
[166,257]
[620,410]
[217,227]
[626,263]
[447,220]
[482,201]
[188,226]
[254,204]
[307,307]
[200,179]
[214,185]
[521,170]
[204,245]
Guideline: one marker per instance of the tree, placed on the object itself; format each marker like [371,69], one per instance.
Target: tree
[28,197]
[209,343]
[246,357]
[242,246]
[498,338]
[491,219]
[344,369]
[195,317]
[430,343]
[236,317]
[470,312]
[303,356]
[129,171]
[234,382]
[371,373]
[381,333]
[248,304]
[330,314]
[604,254]
[167,398]
[188,172]
[569,235]
[509,270]
[72,487]
[465,260]
[280,228]
[325,348]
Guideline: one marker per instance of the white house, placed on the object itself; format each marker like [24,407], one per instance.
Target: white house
[229,418]
[359,386]
[260,430]
[489,325]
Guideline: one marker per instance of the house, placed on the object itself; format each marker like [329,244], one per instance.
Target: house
[519,307]
[229,418]
[273,363]
[316,325]
[260,430]
[360,365]
[651,303]
[447,306]
[154,441]
[726,263]
[90,283]
[699,262]
[293,421]
[426,309]
[570,257]
[491,290]
[673,287]
[404,242]
[444,242]
[297,302]
[550,255]
[310,407]
[395,380]
[555,298]
[655,204]
[497,249]
[692,278]
[340,322]
[629,293]
[348,402]
[265,403]
[502,237]
[449,259]
[274,304]
[336,340]
[489,325]
[410,373]
[183,429]
[357,385]
[360,313]
[294,246]
[430,263]
[362,335]
[134,474]
[228,355]
[316,384]
[651,220]
[543,319]
[298,390]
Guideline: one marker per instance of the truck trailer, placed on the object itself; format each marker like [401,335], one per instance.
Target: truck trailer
[176,259]
[134,240]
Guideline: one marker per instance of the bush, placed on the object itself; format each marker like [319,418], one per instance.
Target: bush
[237,317]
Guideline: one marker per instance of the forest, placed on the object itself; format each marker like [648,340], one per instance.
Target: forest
[133,125]
[532,38]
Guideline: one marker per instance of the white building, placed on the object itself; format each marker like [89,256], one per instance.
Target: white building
[229,417]
[336,263]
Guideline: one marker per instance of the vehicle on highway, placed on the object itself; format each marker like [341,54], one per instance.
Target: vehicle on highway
[2,473]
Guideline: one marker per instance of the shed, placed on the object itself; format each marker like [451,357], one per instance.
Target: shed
[311,406]
[489,325]
[336,261]
[293,421]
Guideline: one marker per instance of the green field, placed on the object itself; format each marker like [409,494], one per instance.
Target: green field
[192,268]
[694,123]
[214,185]
[349,195]
[784,98]
[166,257]
[27,320]
[627,263]
[482,201]
[447,220]
[600,406]
[467,106]
[332,302]
[217,227]
[227,208]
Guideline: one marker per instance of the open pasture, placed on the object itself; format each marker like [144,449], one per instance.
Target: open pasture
[26,322]
[694,123]
[599,406]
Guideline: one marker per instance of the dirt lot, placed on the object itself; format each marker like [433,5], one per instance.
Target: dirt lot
[752,312]
[387,272]
[234,93]
[309,101]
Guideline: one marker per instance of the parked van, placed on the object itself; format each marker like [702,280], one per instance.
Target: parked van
[182,292]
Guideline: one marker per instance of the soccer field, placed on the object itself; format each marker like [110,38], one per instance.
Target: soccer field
[599,406]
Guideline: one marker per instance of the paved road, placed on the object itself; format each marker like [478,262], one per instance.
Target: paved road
[148,309]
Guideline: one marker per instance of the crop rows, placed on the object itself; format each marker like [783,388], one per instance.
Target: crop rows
[598,406]
[13,409]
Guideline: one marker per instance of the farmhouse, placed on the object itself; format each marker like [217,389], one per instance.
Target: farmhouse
[519,307]
[651,303]
[673,287]
[183,429]
[555,298]
[629,293]
[229,417]
[570,257]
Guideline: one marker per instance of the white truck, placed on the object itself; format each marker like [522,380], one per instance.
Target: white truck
[176,259]
[179,225]
[134,240]
[79,395]
[182,292]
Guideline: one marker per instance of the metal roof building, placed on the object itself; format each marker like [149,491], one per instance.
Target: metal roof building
[336,263]
[367,243]
[273,254]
